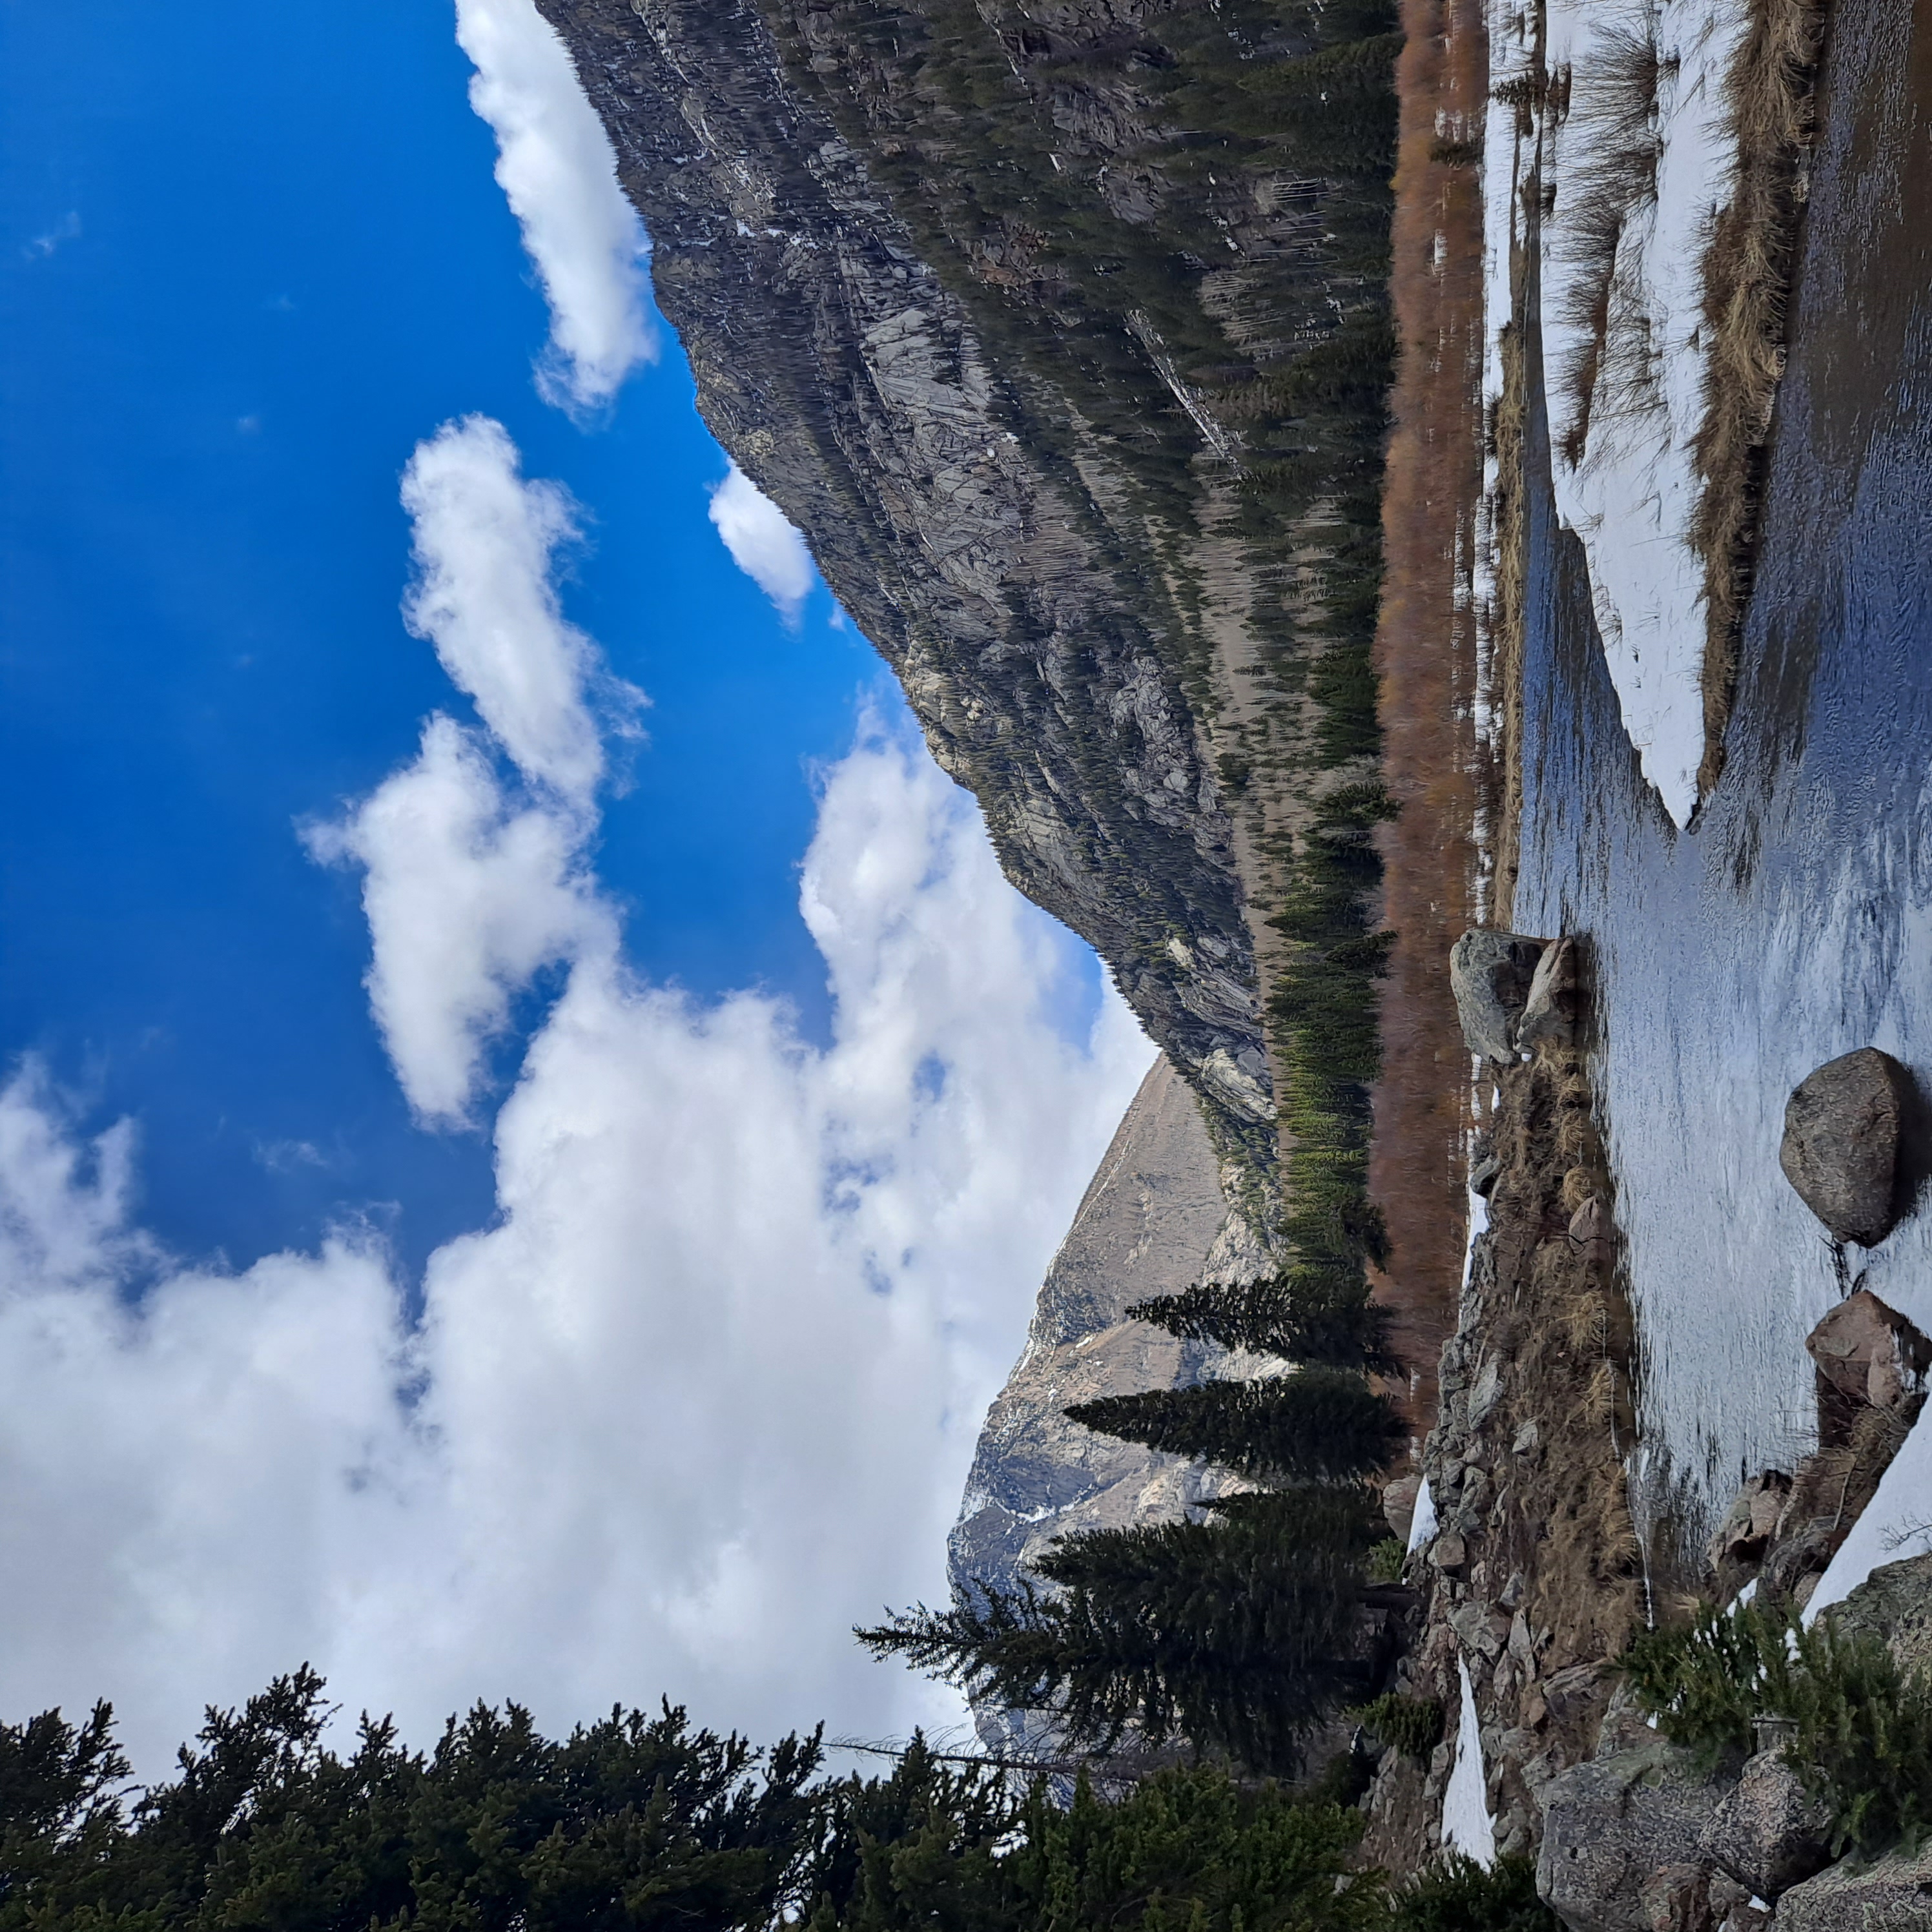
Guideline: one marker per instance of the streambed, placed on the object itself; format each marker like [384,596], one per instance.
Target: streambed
[1793,921]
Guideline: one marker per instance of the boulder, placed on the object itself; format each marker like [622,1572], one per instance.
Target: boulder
[1398,1505]
[1766,1832]
[1750,1522]
[1611,1826]
[1893,1893]
[1490,974]
[1553,1007]
[1870,1352]
[1841,1143]
[1894,1604]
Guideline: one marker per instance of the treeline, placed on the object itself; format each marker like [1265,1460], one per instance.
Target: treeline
[642,1824]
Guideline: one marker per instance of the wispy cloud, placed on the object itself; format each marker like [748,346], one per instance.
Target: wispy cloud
[763,543]
[67,228]
[555,165]
[702,1393]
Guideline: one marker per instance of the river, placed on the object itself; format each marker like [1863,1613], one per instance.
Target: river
[1793,922]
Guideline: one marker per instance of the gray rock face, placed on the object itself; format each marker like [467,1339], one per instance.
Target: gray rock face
[1765,1832]
[1611,1826]
[1490,974]
[1154,1219]
[1078,656]
[1894,1894]
[1841,1143]
[1893,1604]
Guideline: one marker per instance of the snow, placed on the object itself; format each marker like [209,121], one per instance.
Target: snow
[1633,494]
[1466,1823]
[1422,1525]
[1894,1527]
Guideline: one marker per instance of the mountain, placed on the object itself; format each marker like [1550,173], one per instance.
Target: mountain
[1153,1218]
[1060,332]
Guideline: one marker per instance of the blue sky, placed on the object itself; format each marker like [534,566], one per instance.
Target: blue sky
[251,257]
[492,1200]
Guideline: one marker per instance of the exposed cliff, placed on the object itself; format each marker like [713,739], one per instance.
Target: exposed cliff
[1041,325]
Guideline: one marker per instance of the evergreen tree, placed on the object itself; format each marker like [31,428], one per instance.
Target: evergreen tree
[1307,1314]
[1238,1633]
[1321,1423]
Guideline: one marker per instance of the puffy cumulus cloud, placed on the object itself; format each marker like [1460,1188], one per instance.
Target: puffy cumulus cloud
[764,544]
[485,542]
[701,1396]
[555,166]
[467,900]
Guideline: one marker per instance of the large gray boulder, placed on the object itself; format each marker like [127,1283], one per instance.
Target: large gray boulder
[1841,1140]
[1490,972]
[1893,1894]
[1610,1829]
[1766,1832]
[1893,1604]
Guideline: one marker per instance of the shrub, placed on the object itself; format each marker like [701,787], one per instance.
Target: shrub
[1863,1743]
[1459,1895]
[1411,1725]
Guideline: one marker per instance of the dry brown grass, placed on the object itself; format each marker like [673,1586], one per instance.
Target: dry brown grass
[1509,533]
[1426,655]
[1747,280]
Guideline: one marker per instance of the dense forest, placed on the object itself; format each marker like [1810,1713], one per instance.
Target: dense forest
[644,1824]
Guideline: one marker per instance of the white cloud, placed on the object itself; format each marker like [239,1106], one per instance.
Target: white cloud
[485,543]
[555,166]
[466,900]
[763,543]
[702,1395]
[67,228]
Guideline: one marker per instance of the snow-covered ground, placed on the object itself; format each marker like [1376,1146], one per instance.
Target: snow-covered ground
[1897,1524]
[1631,494]
[1466,1823]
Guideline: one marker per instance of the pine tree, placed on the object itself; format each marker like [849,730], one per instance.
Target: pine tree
[1237,1632]
[1319,1423]
[1306,1314]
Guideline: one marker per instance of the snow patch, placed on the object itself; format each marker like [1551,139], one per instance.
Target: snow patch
[1631,494]
[1896,1525]
[1466,1823]
[1423,1525]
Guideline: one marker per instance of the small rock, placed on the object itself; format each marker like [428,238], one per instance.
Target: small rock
[1399,1499]
[1528,1438]
[1511,1593]
[1590,1229]
[1535,1707]
[1840,1146]
[1766,1833]
[1870,1351]
[1484,1175]
[1553,1006]
[1676,1898]
[1893,1894]
[1448,1552]
[1750,1522]
[1490,974]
